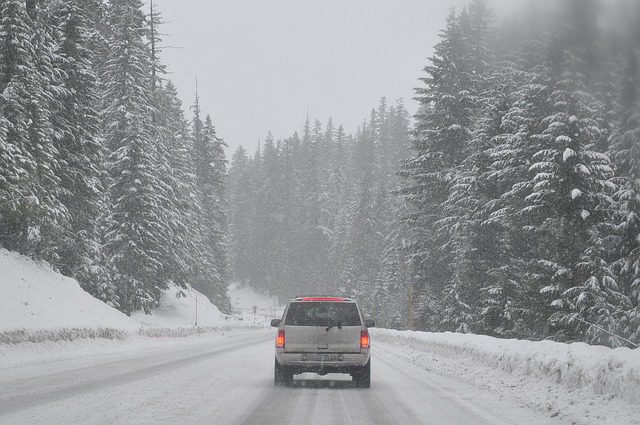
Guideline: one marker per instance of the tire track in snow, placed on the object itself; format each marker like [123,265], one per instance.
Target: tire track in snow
[337,399]
[276,407]
[330,402]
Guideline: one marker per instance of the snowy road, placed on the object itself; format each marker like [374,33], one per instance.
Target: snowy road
[229,381]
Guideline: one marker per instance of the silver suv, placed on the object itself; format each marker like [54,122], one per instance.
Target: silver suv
[323,335]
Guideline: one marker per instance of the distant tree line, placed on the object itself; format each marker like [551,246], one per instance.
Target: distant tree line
[100,173]
[315,212]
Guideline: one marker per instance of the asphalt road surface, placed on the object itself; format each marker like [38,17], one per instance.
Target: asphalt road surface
[217,382]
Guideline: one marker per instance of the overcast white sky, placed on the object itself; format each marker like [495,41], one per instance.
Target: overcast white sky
[262,63]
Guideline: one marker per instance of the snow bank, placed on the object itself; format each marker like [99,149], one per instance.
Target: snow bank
[575,366]
[37,304]
[35,298]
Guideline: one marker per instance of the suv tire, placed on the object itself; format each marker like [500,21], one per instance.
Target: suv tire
[362,378]
[281,376]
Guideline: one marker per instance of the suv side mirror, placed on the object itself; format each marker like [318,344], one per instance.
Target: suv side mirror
[370,323]
[275,323]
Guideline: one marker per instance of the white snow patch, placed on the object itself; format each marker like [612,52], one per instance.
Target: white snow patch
[582,169]
[568,153]
[576,193]
[585,214]
[557,303]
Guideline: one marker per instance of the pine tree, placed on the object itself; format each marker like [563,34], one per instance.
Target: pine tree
[210,169]
[440,135]
[183,207]
[475,247]
[240,199]
[512,304]
[80,150]
[569,195]
[364,240]
[136,234]
[219,176]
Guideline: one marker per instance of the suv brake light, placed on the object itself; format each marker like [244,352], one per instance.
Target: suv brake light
[334,299]
[280,339]
[364,339]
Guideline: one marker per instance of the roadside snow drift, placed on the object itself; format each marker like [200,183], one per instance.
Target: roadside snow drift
[598,369]
[183,308]
[38,304]
[34,297]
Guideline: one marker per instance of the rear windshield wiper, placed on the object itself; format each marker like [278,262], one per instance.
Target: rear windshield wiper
[338,324]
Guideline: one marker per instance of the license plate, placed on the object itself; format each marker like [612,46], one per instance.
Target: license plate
[325,358]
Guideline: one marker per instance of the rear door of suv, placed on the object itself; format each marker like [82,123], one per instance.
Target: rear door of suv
[316,325]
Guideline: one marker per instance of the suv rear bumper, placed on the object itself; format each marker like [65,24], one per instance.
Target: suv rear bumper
[313,362]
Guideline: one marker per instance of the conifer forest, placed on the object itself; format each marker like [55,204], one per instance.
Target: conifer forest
[507,205]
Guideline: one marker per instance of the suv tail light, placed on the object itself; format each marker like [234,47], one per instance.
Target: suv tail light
[280,339]
[364,339]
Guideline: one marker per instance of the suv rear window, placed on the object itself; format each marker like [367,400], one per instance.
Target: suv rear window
[322,314]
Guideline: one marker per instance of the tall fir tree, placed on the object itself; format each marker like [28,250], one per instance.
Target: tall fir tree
[210,168]
[81,151]
[136,234]
[442,129]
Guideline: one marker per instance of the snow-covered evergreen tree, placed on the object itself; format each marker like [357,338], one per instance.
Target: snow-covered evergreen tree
[137,234]
[442,130]
[475,245]
[175,150]
[239,200]
[81,150]
[570,199]
[210,169]
[511,300]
